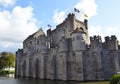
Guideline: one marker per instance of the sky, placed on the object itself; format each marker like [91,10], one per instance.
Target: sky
[21,18]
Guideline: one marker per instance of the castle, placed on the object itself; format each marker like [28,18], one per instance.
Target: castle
[67,53]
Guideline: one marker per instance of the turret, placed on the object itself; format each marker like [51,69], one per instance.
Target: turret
[49,32]
[78,39]
[71,22]
[86,22]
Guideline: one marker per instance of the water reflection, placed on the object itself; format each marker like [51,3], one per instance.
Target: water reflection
[6,80]
[39,81]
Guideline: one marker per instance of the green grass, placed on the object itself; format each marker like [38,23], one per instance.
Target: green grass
[105,82]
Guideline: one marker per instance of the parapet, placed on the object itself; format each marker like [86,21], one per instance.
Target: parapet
[111,42]
[112,38]
[95,39]
[71,15]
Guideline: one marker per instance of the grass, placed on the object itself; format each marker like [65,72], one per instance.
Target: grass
[106,82]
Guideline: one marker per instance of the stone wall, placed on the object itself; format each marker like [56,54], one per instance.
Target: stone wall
[66,54]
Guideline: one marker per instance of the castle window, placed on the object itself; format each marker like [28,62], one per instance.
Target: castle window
[73,53]
[101,53]
[77,37]
[30,42]
[81,28]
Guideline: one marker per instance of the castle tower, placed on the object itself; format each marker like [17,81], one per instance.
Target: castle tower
[110,57]
[78,38]
[95,59]
[61,59]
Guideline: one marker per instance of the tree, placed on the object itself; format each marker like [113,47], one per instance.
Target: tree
[7,59]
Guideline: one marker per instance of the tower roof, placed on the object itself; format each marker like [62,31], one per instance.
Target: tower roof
[78,30]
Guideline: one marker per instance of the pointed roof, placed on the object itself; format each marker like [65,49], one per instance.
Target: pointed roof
[40,32]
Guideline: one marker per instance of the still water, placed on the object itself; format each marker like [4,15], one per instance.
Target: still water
[6,80]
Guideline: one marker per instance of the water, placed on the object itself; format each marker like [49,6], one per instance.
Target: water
[6,80]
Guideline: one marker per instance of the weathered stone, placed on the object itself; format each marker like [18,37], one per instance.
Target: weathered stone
[66,53]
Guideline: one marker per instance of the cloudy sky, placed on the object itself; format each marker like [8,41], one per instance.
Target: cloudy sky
[20,18]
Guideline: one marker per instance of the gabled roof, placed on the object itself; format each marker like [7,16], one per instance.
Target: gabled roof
[36,34]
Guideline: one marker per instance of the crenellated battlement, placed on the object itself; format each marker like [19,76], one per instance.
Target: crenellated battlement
[111,42]
[112,38]
[95,39]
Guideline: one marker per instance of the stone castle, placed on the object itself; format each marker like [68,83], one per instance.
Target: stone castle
[67,53]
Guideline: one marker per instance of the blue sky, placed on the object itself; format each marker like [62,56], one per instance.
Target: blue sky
[20,18]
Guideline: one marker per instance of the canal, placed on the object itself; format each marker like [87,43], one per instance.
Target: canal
[8,80]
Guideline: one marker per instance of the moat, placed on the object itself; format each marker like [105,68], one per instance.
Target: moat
[7,80]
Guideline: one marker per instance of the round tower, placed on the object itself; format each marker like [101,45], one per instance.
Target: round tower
[79,39]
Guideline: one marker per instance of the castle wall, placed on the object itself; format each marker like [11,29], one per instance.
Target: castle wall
[66,54]
[110,63]
[61,66]
[64,29]
[95,58]
[119,59]
[51,64]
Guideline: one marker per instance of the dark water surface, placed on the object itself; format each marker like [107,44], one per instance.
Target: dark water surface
[6,80]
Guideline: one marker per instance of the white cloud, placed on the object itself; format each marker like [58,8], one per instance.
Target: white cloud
[59,16]
[104,31]
[7,2]
[88,7]
[15,26]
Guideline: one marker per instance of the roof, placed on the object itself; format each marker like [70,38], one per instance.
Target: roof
[78,30]
[36,34]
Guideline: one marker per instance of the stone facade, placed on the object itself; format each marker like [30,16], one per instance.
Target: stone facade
[67,53]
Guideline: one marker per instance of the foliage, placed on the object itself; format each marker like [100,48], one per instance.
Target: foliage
[6,72]
[115,79]
[7,60]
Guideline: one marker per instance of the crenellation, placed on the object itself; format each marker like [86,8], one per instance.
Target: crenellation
[79,22]
[111,43]
[95,40]
[67,53]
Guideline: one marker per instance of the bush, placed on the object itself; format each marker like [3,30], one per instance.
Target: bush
[115,79]
[2,72]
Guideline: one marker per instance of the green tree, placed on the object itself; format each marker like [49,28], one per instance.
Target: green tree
[115,79]
[7,60]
